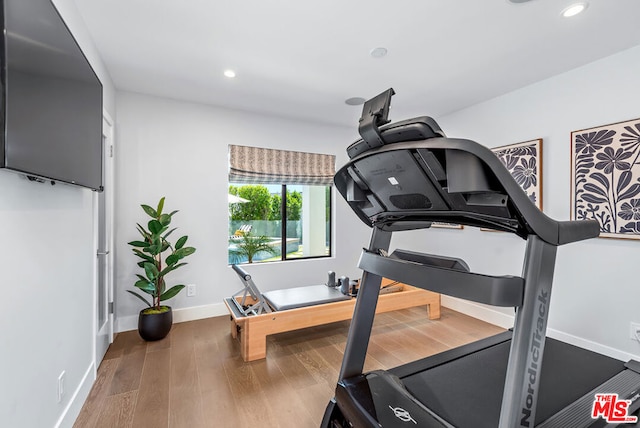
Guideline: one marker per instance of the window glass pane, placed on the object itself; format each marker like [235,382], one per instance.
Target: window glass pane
[254,228]
[307,221]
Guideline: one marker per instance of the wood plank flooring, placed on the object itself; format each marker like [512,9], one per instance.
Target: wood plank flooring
[196,378]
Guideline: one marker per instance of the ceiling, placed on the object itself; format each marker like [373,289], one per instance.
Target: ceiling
[303,59]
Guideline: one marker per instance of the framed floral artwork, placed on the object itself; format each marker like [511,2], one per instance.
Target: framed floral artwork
[524,162]
[605,178]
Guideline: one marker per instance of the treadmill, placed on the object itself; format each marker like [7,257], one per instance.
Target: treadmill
[404,176]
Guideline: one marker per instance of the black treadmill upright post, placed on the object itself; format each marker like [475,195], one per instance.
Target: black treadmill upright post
[364,312]
[520,394]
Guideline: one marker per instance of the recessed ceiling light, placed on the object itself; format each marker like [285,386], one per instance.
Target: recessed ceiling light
[574,9]
[230,74]
[378,52]
[354,101]
[518,1]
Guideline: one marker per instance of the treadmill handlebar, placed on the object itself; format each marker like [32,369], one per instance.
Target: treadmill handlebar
[572,231]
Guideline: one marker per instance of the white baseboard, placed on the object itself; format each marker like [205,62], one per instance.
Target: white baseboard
[72,409]
[592,346]
[200,312]
[130,322]
[478,311]
[506,321]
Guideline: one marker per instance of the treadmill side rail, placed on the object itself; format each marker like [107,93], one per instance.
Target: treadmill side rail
[379,399]
[633,365]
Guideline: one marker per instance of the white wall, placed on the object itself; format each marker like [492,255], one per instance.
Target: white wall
[596,290]
[47,277]
[179,150]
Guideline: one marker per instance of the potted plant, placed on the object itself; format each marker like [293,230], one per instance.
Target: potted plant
[158,257]
[248,246]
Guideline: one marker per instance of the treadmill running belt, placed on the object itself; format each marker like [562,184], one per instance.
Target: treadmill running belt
[467,392]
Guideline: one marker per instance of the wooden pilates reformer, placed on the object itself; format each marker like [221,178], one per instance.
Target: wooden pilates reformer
[255,315]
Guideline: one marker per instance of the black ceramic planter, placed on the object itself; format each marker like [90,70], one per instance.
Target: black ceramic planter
[155,326]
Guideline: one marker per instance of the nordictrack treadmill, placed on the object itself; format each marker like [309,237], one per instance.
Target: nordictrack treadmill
[403,176]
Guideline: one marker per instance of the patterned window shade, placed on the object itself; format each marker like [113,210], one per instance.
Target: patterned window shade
[269,166]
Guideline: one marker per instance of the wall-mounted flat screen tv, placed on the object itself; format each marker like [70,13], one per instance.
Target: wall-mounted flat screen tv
[51,107]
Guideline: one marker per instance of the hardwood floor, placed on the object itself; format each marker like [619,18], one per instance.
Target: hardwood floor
[196,377]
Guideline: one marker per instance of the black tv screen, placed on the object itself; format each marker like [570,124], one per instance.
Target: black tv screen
[51,98]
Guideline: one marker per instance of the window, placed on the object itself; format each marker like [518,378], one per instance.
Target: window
[279,205]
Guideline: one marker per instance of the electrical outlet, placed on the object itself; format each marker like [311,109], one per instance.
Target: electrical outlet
[191,290]
[634,331]
[60,386]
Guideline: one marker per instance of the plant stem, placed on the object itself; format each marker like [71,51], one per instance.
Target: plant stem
[158,281]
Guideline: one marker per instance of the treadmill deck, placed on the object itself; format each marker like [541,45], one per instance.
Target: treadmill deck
[464,386]
[568,372]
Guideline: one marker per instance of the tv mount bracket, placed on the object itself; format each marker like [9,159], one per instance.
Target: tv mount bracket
[375,113]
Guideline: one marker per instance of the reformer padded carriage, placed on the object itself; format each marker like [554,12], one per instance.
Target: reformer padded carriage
[255,315]
[403,176]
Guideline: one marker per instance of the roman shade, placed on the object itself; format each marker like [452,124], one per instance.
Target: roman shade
[270,166]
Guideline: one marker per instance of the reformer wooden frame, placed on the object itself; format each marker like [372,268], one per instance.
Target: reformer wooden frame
[252,331]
